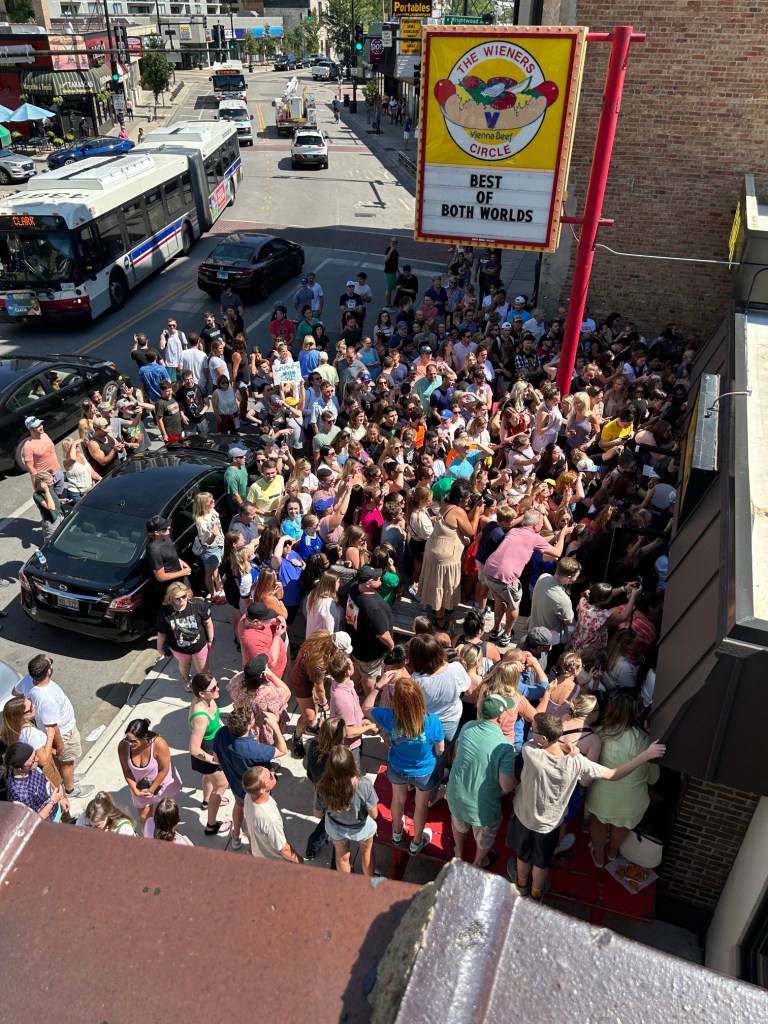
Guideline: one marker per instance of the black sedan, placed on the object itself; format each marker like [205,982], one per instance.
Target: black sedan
[286,62]
[52,389]
[92,576]
[252,264]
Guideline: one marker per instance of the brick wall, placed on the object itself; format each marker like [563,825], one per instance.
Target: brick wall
[710,826]
[693,121]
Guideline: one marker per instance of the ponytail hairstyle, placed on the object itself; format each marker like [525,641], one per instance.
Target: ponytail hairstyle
[582,706]
[166,818]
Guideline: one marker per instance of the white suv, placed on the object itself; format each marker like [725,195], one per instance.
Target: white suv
[237,111]
[309,146]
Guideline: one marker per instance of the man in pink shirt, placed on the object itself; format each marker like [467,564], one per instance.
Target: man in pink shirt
[39,453]
[505,566]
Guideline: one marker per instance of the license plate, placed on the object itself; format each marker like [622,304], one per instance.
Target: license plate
[222,275]
[71,604]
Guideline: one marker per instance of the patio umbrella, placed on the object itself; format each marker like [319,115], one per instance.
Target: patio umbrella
[5,113]
[5,136]
[29,112]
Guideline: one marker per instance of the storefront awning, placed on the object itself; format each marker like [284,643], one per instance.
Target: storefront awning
[66,83]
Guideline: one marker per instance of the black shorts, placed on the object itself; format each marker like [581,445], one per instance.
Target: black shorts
[416,549]
[537,848]
[203,767]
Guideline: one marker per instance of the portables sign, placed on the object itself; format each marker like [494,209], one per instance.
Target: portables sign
[498,113]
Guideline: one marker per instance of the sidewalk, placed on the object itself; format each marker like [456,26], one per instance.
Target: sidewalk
[519,268]
[162,700]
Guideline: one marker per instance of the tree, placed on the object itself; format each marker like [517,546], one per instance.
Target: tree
[336,18]
[22,13]
[155,69]
[262,46]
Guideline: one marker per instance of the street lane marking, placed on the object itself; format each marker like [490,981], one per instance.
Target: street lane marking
[289,301]
[262,125]
[16,514]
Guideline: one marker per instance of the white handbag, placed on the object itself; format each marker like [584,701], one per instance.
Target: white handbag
[642,849]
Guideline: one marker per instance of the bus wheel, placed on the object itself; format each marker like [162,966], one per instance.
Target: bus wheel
[118,290]
[187,240]
[232,198]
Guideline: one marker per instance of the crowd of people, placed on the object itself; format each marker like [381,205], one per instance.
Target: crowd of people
[416,455]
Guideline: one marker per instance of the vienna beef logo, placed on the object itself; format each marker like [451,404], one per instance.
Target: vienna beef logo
[494,100]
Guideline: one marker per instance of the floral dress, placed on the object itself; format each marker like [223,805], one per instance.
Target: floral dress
[265,698]
[591,630]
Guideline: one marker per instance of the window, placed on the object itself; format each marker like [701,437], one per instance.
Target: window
[279,246]
[63,377]
[111,235]
[234,148]
[29,392]
[225,157]
[134,223]
[117,8]
[173,198]
[186,191]
[90,251]
[210,173]
[155,211]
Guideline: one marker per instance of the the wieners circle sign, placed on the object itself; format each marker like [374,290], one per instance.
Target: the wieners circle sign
[500,103]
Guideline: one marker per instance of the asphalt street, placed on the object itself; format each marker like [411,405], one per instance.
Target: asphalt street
[343,216]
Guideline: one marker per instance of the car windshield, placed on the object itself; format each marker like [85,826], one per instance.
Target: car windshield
[100,535]
[231,114]
[309,140]
[6,154]
[36,258]
[230,251]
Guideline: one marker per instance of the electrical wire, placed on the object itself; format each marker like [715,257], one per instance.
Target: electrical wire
[674,259]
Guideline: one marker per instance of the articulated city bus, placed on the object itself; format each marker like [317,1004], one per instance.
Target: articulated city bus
[75,241]
[229,80]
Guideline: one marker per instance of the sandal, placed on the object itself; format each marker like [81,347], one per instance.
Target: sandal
[493,856]
[219,828]
[224,802]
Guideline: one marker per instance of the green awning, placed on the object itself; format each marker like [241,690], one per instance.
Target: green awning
[65,83]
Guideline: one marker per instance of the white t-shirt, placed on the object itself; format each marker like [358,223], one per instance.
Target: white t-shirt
[195,359]
[52,705]
[264,824]
[36,738]
[442,691]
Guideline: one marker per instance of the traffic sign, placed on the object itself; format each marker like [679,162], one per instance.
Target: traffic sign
[377,50]
[410,46]
[410,29]
[386,38]
[453,19]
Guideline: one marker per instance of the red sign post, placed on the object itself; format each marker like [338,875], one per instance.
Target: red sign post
[620,39]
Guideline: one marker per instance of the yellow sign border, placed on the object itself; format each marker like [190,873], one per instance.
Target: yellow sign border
[511,34]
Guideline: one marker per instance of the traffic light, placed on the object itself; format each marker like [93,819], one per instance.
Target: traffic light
[115,72]
[309,16]
[417,76]
[359,38]
[205,22]
[233,46]
[488,18]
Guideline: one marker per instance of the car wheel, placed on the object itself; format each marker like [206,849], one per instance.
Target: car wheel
[297,266]
[187,239]
[17,459]
[70,161]
[118,290]
[262,289]
[5,177]
[325,165]
[110,393]
[294,165]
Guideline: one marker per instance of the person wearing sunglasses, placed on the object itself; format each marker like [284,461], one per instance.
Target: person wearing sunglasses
[204,723]
[172,345]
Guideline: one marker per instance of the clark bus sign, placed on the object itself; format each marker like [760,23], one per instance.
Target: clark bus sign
[498,111]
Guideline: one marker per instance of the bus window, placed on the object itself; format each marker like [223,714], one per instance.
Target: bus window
[111,235]
[210,173]
[234,148]
[173,198]
[91,252]
[134,223]
[225,157]
[155,212]
[186,191]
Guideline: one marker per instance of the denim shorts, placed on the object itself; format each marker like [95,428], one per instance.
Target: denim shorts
[211,557]
[425,783]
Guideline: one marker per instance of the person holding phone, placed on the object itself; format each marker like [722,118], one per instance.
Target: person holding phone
[28,785]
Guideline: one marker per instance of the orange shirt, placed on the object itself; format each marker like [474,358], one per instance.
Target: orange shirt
[39,455]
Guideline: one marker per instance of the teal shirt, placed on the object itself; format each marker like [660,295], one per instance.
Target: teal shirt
[236,482]
[423,390]
[474,792]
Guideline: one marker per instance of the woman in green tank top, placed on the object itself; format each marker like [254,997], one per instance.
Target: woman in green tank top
[204,723]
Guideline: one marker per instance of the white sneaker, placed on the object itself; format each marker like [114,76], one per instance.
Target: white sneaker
[237,842]
[568,840]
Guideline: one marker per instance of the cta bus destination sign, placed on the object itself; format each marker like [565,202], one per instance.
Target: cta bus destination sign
[498,112]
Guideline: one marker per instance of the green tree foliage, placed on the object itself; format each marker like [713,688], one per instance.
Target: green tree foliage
[263,47]
[155,69]
[21,13]
[336,18]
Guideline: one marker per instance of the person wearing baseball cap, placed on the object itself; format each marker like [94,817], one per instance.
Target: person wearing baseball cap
[38,454]
[236,478]
[351,304]
[162,555]
[483,772]
[370,625]
[261,634]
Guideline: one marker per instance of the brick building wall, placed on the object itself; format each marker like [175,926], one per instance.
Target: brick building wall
[694,120]
[711,823]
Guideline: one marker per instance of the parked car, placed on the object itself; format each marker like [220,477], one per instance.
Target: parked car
[14,167]
[9,678]
[326,69]
[102,145]
[51,388]
[286,62]
[309,147]
[93,577]
[252,264]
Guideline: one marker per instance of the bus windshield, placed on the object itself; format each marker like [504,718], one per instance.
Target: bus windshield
[37,258]
[229,83]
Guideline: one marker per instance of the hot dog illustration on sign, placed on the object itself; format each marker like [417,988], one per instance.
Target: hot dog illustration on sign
[500,112]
